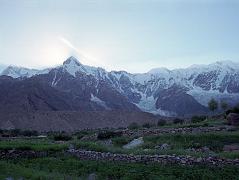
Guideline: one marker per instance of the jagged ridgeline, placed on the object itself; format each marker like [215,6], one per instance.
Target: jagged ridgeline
[77,87]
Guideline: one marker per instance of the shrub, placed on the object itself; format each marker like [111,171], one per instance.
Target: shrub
[62,137]
[109,134]
[147,125]
[161,122]
[133,125]
[197,119]
[81,134]
[18,132]
[15,132]
[120,141]
[29,133]
[178,121]
[213,105]
[233,110]
[224,105]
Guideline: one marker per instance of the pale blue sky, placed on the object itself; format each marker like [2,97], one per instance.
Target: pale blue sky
[134,35]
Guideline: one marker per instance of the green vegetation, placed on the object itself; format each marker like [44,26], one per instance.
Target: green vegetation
[108,134]
[178,121]
[197,119]
[147,125]
[133,125]
[71,168]
[37,145]
[233,110]
[61,166]
[120,141]
[161,122]
[18,132]
[62,137]
[213,105]
[224,105]
[215,141]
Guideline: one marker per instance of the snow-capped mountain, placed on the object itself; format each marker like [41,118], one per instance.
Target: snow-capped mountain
[2,67]
[16,72]
[159,91]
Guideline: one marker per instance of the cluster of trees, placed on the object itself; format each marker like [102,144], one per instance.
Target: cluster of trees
[213,105]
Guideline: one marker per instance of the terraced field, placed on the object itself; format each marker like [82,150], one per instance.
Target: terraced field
[183,151]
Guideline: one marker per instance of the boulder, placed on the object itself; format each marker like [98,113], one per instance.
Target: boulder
[233,119]
[134,143]
[164,146]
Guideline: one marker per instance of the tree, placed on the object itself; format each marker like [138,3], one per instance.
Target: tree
[224,105]
[212,105]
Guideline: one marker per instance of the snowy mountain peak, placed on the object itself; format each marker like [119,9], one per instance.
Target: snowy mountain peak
[72,61]
[72,65]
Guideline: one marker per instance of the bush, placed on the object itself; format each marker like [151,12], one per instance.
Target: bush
[197,119]
[29,133]
[18,132]
[15,132]
[62,137]
[233,110]
[147,125]
[178,121]
[161,122]
[213,105]
[133,125]
[108,134]
[120,141]
[81,134]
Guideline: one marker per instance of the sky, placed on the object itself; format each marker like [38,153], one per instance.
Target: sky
[131,35]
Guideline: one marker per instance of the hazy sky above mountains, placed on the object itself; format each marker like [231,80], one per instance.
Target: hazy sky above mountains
[134,35]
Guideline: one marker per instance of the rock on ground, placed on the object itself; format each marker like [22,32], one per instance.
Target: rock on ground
[134,143]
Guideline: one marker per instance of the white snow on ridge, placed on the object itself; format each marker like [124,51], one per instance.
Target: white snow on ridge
[99,101]
[17,72]
[146,84]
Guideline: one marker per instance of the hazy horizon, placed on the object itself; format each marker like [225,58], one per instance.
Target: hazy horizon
[129,35]
[4,66]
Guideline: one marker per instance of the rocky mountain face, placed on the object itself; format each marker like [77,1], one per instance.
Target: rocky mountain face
[74,86]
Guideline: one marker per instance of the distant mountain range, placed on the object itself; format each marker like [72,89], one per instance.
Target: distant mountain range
[77,87]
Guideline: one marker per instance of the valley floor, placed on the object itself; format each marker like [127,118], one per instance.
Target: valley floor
[71,168]
[203,150]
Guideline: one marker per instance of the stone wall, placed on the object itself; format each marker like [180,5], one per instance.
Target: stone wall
[107,156]
[162,159]
[158,131]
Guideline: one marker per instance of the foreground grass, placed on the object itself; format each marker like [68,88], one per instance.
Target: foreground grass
[71,168]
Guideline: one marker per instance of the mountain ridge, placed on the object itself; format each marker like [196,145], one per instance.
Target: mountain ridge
[192,87]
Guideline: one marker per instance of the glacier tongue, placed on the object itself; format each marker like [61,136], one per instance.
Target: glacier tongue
[202,82]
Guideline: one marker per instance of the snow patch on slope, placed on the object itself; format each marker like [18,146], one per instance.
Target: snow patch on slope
[147,104]
[99,101]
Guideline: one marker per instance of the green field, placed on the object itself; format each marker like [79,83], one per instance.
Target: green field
[70,168]
[59,165]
